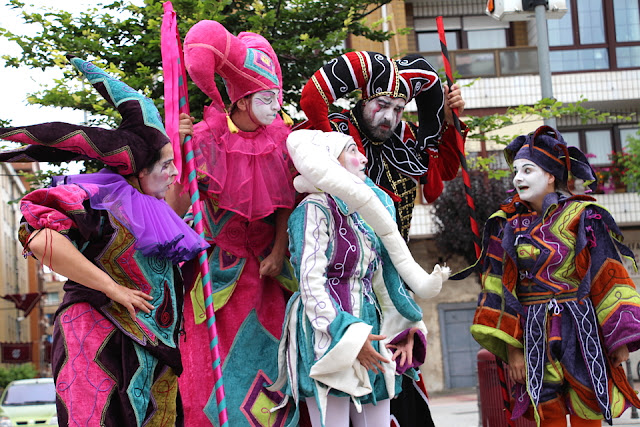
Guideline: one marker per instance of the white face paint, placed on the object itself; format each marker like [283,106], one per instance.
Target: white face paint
[156,180]
[532,182]
[382,115]
[265,106]
[353,160]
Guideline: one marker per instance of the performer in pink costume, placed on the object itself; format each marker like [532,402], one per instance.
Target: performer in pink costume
[245,178]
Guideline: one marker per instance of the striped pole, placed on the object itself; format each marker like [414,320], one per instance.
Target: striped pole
[460,141]
[472,206]
[176,97]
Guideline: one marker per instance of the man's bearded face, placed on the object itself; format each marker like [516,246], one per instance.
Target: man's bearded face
[382,115]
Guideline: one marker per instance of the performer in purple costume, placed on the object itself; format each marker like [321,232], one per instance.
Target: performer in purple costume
[557,303]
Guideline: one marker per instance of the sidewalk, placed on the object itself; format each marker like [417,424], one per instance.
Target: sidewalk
[460,409]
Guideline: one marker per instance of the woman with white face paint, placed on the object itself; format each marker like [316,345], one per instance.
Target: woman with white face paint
[557,304]
[120,245]
[353,330]
[245,179]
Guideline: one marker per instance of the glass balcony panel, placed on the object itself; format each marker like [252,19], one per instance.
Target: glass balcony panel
[476,64]
[518,62]
[579,60]
[436,60]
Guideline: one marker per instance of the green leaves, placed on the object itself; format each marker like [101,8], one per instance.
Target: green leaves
[125,38]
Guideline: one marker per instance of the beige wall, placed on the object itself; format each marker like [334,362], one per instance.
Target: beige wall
[426,253]
[398,45]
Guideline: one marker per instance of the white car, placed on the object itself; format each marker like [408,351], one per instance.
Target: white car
[29,402]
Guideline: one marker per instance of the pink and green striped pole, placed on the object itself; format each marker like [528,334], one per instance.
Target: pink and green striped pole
[176,102]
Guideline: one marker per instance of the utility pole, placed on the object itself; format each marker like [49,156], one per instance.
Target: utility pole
[521,10]
[543,54]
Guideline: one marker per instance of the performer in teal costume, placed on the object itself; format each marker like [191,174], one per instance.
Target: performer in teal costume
[353,329]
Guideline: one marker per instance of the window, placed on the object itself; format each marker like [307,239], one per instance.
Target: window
[582,40]
[468,33]
[598,144]
[626,134]
[53,298]
[627,20]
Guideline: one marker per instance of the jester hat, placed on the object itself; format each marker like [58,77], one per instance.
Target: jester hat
[128,149]
[546,148]
[375,75]
[247,63]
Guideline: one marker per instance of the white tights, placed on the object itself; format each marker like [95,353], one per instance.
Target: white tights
[341,409]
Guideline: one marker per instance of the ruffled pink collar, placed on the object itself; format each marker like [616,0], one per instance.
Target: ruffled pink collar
[249,173]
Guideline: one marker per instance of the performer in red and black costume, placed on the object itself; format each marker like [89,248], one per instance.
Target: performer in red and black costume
[400,154]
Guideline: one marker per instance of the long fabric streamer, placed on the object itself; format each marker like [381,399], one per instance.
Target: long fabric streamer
[176,102]
[470,203]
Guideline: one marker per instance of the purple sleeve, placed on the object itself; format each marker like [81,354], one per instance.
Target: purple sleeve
[419,350]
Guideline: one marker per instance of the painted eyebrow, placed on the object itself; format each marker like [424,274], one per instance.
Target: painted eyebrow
[526,164]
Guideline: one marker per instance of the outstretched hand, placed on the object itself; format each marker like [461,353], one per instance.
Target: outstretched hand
[404,348]
[369,357]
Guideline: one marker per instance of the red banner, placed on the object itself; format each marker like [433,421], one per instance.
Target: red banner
[24,302]
[16,352]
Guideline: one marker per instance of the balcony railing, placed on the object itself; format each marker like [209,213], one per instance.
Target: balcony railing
[509,61]
[625,208]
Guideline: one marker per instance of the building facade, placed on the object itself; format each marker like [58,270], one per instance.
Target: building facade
[594,55]
[14,269]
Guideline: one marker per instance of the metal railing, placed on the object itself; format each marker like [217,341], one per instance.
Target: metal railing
[625,208]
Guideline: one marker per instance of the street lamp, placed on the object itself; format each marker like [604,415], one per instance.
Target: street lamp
[540,10]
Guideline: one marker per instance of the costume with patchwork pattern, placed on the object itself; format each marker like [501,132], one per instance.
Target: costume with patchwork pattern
[548,282]
[111,368]
[553,283]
